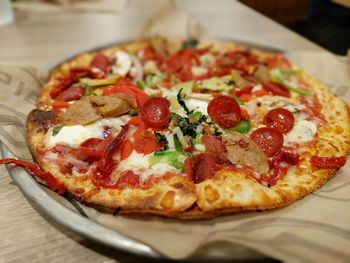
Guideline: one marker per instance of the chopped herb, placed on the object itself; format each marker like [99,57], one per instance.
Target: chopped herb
[133,112]
[161,139]
[56,130]
[177,144]
[216,131]
[184,124]
[182,103]
[190,43]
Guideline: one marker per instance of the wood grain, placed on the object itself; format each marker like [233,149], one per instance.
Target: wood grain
[42,40]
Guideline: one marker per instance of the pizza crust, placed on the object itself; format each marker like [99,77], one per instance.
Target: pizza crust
[229,192]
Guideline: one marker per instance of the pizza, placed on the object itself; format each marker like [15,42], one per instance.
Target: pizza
[185,129]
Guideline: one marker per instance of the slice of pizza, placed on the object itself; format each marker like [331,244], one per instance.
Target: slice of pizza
[186,129]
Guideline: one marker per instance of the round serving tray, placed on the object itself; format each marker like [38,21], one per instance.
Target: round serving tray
[75,220]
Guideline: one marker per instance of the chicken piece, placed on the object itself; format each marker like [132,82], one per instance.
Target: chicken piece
[239,81]
[262,73]
[110,106]
[242,150]
[80,112]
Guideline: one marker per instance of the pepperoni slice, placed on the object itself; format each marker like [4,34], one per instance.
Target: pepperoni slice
[328,162]
[72,93]
[225,111]
[279,119]
[101,62]
[155,113]
[270,140]
[62,83]
[201,167]
[277,89]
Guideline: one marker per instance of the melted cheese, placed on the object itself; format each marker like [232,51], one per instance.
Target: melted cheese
[303,131]
[197,105]
[123,63]
[138,163]
[74,135]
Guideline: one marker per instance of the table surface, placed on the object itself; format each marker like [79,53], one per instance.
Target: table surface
[41,40]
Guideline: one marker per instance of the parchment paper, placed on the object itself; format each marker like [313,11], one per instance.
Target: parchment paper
[314,229]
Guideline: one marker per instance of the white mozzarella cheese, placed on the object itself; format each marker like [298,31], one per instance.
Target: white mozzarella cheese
[123,63]
[198,71]
[272,102]
[303,131]
[138,163]
[74,135]
[257,88]
[197,105]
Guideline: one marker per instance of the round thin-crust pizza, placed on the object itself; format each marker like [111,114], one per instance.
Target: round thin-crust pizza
[186,129]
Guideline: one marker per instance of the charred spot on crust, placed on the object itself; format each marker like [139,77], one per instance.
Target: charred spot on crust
[42,120]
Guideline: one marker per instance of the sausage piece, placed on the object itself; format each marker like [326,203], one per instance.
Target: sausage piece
[80,112]
[242,150]
[110,106]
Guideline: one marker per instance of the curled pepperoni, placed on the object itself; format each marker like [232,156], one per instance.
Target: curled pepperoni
[270,140]
[279,119]
[72,93]
[225,111]
[155,113]
[276,89]
[201,167]
[101,62]
[328,162]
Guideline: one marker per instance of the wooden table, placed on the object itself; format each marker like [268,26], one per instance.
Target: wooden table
[42,40]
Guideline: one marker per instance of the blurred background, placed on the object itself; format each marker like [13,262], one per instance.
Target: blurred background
[326,22]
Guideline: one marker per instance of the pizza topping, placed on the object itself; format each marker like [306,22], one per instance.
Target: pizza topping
[110,106]
[123,63]
[283,77]
[279,119]
[75,135]
[104,167]
[180,64]
[34,169]
[145,141]
[93,148]
[101,63]
[72,93]
[126,149]
[169,157]
[328,162]
[243,126]
[62,83]
[276,89]
[129,89]
[225,111]
[155,113]
[80,112]
[242,150]
[303,131]
[270,140]
[201,167]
